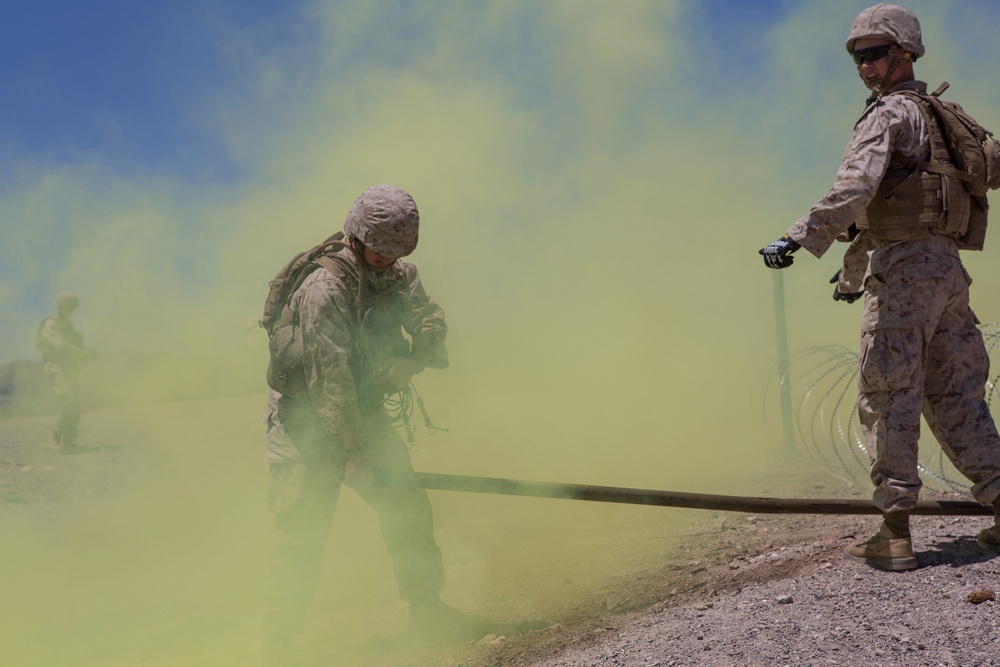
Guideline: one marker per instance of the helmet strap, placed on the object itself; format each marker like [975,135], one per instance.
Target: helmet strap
[894,61]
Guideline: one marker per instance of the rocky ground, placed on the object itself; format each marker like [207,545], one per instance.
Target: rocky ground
[792,599]
[726,589]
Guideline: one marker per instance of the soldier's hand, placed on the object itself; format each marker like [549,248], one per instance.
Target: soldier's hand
[395,375]
[778,255]
[849,297]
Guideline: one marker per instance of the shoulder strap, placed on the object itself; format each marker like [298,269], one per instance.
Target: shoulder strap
[339,266]
[336,265]
[930,103]
[940,89]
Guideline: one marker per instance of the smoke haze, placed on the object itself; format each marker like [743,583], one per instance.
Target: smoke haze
[594,184]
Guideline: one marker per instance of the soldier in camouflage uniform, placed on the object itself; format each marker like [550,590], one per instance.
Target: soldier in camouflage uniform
[921,350]
[63,355]
[335,430]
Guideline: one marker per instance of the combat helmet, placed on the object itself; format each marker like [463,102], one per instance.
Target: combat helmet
[896,24]
[385,219]
[66,300]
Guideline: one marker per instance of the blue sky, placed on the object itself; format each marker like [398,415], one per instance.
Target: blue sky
[128,81]
[121,80]
[164,159]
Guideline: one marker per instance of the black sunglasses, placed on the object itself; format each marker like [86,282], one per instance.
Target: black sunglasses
[872,54]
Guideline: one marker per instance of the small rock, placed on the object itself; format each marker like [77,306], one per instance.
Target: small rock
[784,599]
[979,596]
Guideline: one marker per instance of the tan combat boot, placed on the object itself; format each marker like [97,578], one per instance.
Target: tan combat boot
[989,538]
[884,551]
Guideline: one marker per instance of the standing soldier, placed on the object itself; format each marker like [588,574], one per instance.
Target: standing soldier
[63,355]
[328,425]
[920,347]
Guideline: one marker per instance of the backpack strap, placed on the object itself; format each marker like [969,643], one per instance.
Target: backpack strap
[940,89]
[340,266]
[946,170]
[932,101]
[335,264]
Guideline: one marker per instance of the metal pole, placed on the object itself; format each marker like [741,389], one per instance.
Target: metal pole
[784,379]
[611,494]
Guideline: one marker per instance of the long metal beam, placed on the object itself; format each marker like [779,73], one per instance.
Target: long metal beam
[703,501]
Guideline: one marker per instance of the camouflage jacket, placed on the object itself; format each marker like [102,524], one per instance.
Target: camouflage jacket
[341,353]
[890,129]
[60,343]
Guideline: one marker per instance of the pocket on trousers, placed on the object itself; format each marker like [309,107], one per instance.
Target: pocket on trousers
[888,360]
[285,482]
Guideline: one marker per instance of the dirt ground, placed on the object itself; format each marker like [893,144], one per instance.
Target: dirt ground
[614,585]
[791,599]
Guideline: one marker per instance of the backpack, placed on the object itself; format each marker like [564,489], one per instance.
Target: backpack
[284,369]
[973,149]
[974,154]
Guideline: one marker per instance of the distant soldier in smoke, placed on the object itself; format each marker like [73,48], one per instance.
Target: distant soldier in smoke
[63,355]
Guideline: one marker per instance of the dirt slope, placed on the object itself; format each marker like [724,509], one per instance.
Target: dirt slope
[801,603]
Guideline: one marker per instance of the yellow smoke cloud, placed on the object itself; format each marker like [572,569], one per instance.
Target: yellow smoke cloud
[592,200]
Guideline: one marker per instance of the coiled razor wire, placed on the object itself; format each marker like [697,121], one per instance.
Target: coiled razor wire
[824,390]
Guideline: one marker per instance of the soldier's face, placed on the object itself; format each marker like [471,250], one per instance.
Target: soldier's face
[374,259]
[874,63]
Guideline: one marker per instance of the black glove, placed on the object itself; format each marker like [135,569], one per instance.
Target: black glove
[849,297]
[778,255]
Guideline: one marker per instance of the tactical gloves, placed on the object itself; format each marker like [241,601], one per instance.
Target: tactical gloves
[778,255]
[849,297]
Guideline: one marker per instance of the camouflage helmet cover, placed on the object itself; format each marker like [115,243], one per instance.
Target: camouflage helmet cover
[890,22]
[66,300]
[385,219]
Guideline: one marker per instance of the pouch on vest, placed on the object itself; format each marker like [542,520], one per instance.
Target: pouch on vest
[946,195]
[975,152]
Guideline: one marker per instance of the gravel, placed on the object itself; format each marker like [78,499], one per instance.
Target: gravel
[804,604]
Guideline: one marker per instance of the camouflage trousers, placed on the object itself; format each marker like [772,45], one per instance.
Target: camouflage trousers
[922,353]
[67,391]
[303,495]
